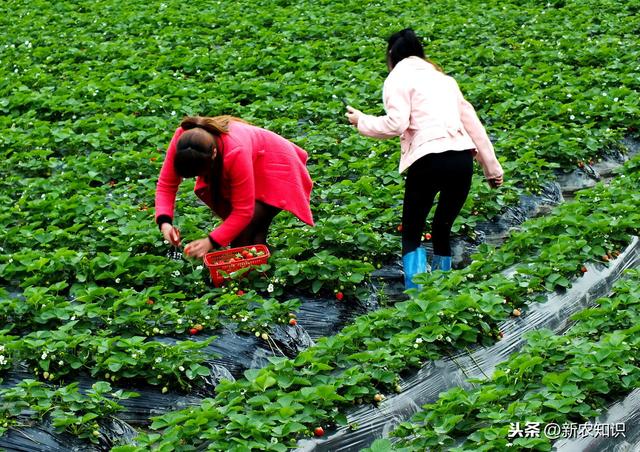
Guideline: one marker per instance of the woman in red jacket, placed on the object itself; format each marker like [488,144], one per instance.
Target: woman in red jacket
[244,173]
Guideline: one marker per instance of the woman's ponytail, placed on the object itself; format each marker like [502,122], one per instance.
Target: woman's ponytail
[216,125]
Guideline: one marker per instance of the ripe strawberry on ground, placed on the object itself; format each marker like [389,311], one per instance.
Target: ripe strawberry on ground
[293,322]
[193,331]
[339,296]
[583,269]
[427,236]
[318,431]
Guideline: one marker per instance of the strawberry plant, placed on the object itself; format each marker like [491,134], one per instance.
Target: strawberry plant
[69,409]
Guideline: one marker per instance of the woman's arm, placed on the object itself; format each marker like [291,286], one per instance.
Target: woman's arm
[397,105]
[168,183]
[486,155]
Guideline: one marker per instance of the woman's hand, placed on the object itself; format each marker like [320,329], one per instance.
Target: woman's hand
[353,115]
[495,182]
[198,248]
[170,234]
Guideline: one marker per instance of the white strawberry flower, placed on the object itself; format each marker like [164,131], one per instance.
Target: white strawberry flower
[270,288]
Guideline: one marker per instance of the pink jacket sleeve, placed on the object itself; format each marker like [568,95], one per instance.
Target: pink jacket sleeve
[397,105]
[242,196]
[485,155]
[168,181]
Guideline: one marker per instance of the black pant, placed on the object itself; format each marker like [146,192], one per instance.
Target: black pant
[257,230]
[448,173]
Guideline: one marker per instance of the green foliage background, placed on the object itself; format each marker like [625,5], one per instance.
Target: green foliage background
[91,92]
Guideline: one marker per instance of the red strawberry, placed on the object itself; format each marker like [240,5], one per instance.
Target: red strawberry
[240,293]
[193,331]
[318,431]
[293,322]
[399,228]
[583,269]
[427,236]
[339,296]
[149,301]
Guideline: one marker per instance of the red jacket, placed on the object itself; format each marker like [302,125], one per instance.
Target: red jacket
[258,165]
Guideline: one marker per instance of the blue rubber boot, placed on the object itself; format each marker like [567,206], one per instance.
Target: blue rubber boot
[413,263]
[441,263]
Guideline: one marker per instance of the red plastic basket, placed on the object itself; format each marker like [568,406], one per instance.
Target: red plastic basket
[218,261]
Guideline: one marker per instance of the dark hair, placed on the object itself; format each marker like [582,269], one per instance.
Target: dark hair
[193,154]
[194,150]
[404,44]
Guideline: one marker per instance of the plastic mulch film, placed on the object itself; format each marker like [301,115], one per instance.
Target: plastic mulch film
[42,438]
[529,206]
[591,173]
[323,316]
[426,384]
[619,431]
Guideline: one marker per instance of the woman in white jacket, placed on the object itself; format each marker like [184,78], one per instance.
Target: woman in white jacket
[440,134]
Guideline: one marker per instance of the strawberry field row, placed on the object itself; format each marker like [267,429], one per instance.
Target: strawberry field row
[274,405]
[554,379]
